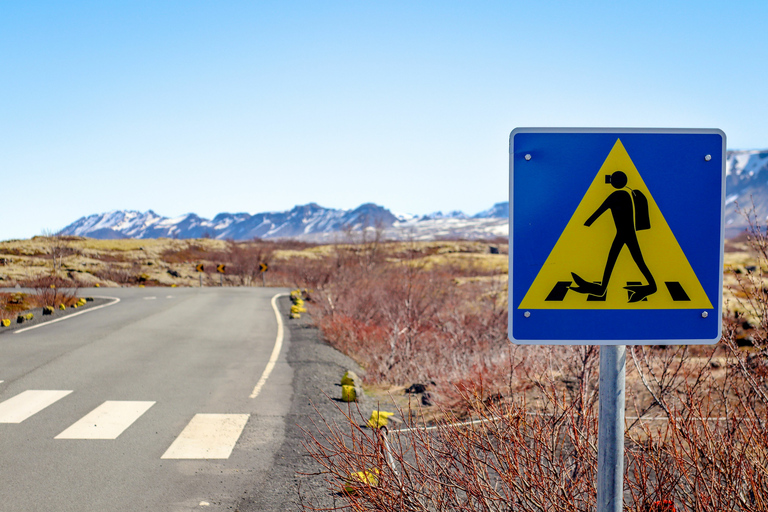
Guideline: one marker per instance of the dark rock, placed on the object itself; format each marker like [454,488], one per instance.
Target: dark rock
[416,388]
[494,399]
[570,382]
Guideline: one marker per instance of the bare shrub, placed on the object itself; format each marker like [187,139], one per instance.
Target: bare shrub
[708,455]
[52,291]
[696,438]
[404,323]
[508,459]
[13,303]
[193,253]
[244,260]
[119,274]
[57,247]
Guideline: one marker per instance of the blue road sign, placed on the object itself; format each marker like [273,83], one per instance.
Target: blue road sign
[616,236]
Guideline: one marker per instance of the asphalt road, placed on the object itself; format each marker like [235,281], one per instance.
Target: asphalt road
[144,405]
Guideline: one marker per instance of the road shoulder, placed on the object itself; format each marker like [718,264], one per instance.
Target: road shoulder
[317,369]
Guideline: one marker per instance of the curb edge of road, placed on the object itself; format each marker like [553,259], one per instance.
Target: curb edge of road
[317,368]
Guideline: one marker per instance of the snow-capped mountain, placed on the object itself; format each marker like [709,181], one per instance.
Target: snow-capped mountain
[746,185]
[499,210]
[309,222]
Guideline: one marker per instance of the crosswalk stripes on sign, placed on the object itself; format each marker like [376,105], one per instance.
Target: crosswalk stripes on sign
[206,436]
[558,293]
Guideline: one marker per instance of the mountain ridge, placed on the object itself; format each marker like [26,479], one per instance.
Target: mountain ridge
[746,198]
[309,222]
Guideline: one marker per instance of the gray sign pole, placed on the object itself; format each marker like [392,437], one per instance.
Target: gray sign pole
[610,436]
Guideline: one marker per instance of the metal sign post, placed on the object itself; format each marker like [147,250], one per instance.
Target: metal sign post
[610,436]
[221,269]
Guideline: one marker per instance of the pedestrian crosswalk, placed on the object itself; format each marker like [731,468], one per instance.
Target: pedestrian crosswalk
[28,403]
[107,421]
[206,436]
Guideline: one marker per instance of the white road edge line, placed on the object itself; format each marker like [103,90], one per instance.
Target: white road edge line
[115,301]
[275,351]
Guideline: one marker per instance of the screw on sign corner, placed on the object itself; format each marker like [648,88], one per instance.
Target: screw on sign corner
[662,506]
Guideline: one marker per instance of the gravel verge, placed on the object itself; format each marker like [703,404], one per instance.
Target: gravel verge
[317,370]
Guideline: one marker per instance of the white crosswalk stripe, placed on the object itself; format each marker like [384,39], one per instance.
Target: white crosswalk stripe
[208,436]
[28,403]
[107,421]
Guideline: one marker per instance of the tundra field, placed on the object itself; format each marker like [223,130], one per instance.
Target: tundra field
[435,314]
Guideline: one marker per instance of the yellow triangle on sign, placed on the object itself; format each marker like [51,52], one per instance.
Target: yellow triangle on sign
[650,270]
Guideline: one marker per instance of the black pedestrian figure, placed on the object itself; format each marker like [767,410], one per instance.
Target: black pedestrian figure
[630,214]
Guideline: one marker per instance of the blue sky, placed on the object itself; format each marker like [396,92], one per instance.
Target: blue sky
[207,107]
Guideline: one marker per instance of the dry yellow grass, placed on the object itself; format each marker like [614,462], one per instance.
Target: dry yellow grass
[496,280]
[737,261]
[85,258]
[30,259]
[481,263]
[314,253]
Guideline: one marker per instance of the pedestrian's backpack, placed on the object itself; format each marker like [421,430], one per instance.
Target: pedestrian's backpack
[642,220]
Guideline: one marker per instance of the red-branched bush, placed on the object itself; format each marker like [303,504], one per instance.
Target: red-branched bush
[697,427]
[404,323]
